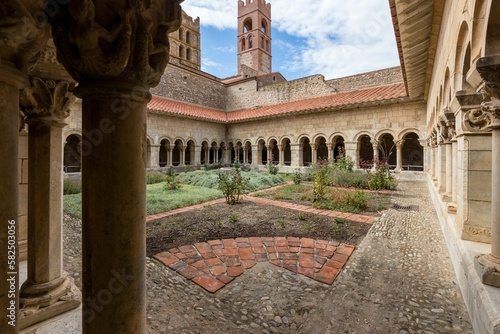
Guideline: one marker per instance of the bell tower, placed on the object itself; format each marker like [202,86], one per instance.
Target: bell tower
[254,37]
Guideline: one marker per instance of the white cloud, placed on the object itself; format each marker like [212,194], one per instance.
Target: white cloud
[341,37]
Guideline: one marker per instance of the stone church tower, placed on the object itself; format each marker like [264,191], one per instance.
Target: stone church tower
[254,37]
[185,46]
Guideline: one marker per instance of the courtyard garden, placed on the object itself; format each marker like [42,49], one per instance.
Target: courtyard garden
[325,186]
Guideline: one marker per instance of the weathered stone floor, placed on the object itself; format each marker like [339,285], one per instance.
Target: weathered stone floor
[399,280]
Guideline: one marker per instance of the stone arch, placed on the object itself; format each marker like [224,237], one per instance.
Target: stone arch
[492,41]
[305,158]
[462,59]
[365,151]
[287,151]
[247,151]
[189,158]
[383,132]
[274,154]
[72,159]
[446,89]
[212,154]
[387,148]
[412,151]
[262,158]
[358,136]
[176,152]
[260,139]
[338,145]
[478,28]
[181,51]
[188,37]
[232,154]
[189,55]
[247,25]
[321,148]
[250,41]
[263,26]
[243,44]
[238,151]
[164,157]
[204,152]
[406,131]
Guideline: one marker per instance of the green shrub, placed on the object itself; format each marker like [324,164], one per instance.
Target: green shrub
[346,179]
[232,185]
[357,199]
[381,178]
[297,177]
[343,163]
[321,180]
[172,181]
[272,168]
[71,186]
[154,177]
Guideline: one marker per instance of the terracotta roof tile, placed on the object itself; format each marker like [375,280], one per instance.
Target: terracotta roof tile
[335,101]
[168,106]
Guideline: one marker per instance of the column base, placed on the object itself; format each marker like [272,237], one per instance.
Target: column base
[452,208]
[39,302]
[488,269]
[446,197]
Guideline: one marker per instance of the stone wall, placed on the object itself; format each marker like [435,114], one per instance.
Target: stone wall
[23,196]
[369,79]
[191,86]
[246,95]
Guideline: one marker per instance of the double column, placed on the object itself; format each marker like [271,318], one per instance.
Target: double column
[114,84]
[21,39]
[48,290]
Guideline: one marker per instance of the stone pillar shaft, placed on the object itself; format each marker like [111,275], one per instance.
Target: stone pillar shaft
[455,169]
[441,168]
[449,169]
[399,156]
[114,212]
[255,155]
[155,156]
[9,109]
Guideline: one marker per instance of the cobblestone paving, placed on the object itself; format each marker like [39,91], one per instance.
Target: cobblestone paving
[399,280]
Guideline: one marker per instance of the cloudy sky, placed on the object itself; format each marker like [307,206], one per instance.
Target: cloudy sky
[335,38]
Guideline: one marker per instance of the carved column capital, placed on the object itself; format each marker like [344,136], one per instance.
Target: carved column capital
[447,127]
[127,44]
[47,99]
[399,144]
[21,37]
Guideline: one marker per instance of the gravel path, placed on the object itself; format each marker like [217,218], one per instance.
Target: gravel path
[399,280]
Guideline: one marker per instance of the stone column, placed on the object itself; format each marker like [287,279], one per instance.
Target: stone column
[314,153]
[155,156]
[20,39]
[256,155]
[114,84]
[11,81]
[352,151]
[296,152]
[206,150]
[48,290]
[441,167]
[260,155]
[281,149]
[375,145]
[182,151]
[330,147]
[474,169]
[399,155]
[454,161]
[216,155]
[170,155]
[195,159]
[488,265]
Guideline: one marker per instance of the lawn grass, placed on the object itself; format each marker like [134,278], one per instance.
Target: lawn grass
[197,187]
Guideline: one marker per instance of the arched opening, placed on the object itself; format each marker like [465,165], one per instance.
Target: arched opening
[412,153]
[211,155]
[176,153]
[243,44]
[287,152]
[148,153]
[188,54]
[263,152]
[220,152]
[492,47]
[203,154]
[263,27]
[248,150]
[306,152]
[262,43]
[181,51]
[365,152]
[387,150]
[250,42]
[188,37]
[181,34]
[466,69]
[72,161]
[321,149]
[267,45]
[338,148]
[247,25]
[189,154]
[275,152]
[238,153]
[164,152]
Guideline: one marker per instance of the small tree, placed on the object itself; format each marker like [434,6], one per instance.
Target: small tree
[232,184]
[271,167]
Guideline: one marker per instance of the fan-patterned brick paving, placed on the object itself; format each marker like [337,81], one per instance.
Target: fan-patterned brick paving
[215,263]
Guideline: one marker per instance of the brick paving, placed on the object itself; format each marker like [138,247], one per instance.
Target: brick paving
[215,263]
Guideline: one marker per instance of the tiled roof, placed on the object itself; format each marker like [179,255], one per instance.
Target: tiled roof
[335,101]
[168,106]
[341,100]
